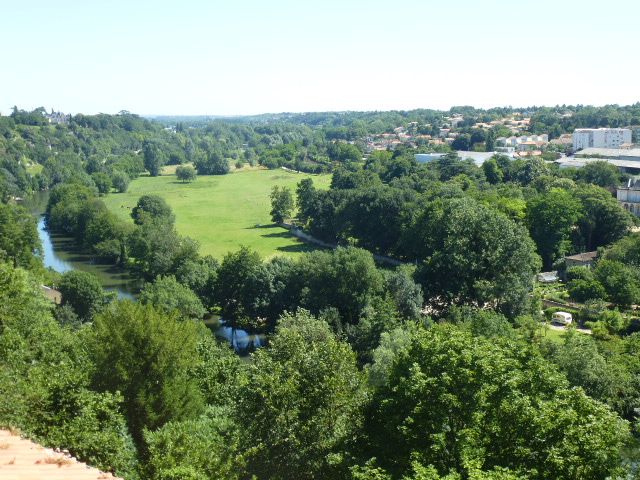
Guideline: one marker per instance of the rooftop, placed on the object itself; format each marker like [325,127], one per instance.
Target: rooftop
[610,152]
[22,459]
[583,257]
[581,162]
[601,128]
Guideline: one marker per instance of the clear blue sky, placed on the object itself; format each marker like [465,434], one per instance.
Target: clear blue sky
[244,57]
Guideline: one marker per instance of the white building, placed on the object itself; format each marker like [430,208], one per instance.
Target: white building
[629,197]
[600,138]
[524,142]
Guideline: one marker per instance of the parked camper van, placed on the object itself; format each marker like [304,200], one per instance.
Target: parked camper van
[563,318]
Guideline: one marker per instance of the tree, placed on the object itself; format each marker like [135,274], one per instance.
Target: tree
[196,449]
[102,181]
[281,203]
[159,250]
[19,240]
[301,403]
[153,208]
[492,171]
[305,198]
[236,289]
[551,218]
[120,181]
[186,173]
[451,165]
[582,290]
[346,279]
[213,163]
[471,254]
[603,377]
[146,355]
[619,281]
[600,173]
[83,292]
[406,293]
[604,220]
[167,295]
[528,171]
[490,141]
[461,142]
[154,157]
[460,403]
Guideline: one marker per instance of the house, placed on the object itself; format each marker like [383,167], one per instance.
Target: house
[586,259]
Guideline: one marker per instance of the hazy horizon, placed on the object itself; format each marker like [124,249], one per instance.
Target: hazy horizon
[201,58]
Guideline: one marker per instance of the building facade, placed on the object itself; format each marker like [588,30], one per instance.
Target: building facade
[629,197]
[600,138]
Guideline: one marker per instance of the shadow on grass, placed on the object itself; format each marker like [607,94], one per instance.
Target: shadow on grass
[299,248]
[262,226]
[283,234]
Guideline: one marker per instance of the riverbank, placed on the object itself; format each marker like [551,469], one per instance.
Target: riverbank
[62,255]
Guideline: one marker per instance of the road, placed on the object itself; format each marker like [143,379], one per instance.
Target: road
[563,328]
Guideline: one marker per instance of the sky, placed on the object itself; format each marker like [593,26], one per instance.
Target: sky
[199,57]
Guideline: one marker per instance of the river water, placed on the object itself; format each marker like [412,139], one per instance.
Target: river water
[61,254]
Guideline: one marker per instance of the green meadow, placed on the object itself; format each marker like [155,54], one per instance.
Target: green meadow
[222,212]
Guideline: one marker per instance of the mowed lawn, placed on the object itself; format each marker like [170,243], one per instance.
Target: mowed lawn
[223,212]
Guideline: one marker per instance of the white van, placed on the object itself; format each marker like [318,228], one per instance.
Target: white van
[563,318]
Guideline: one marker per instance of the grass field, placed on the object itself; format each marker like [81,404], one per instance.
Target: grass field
[222,212]
[555,336]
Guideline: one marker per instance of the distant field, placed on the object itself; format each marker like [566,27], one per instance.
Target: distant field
[222,212]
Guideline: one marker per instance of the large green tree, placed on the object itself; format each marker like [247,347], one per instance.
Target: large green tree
[461,403]
[167,295]
[473,255]
[551,218]
[83,292]
[146,355]
[152,207]
[604,220]
[155,157]
[213,163]
[281,204]
[302,402]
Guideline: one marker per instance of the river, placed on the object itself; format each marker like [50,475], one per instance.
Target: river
[61,254]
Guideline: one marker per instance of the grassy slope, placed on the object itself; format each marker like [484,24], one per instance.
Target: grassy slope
[221,212]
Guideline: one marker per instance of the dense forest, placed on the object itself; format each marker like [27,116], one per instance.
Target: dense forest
[437,368]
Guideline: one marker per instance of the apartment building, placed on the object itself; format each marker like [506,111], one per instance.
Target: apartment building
[600,138]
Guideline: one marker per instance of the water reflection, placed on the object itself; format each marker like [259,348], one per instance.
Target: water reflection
[242,341]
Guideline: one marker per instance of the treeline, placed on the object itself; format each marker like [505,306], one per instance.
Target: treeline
[566,119]
[107,151]
[36,155]
[393,206]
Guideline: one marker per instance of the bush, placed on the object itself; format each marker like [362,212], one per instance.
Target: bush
[120,181]
[186,173]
